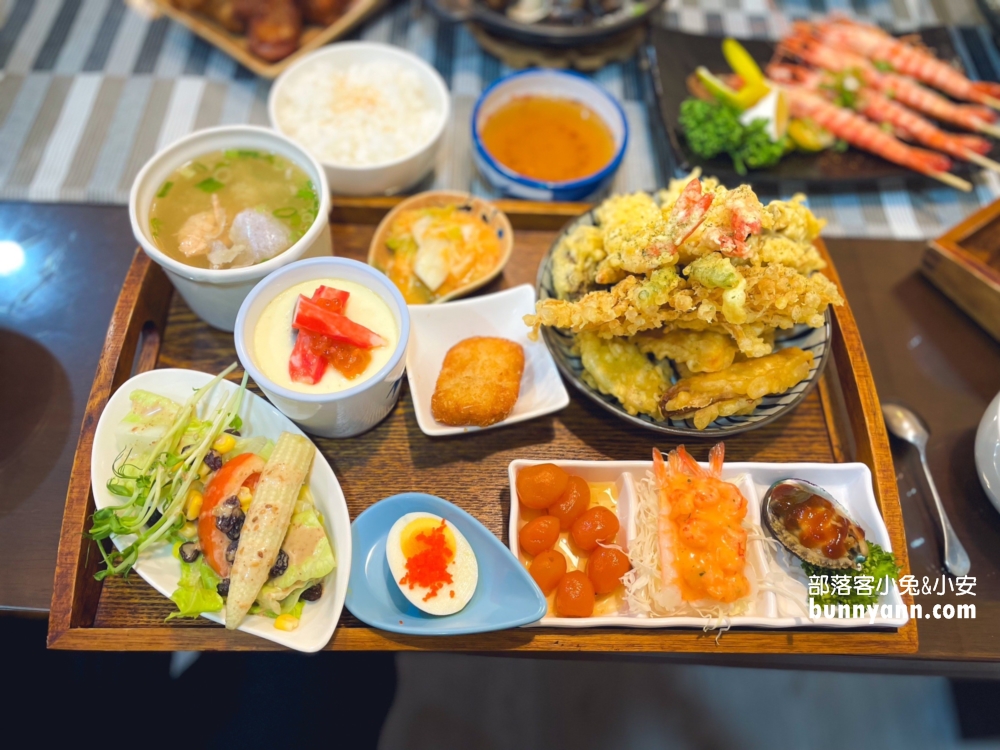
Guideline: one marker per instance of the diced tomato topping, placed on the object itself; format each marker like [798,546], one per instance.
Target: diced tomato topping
[305,365]
[312,317]
[347,359]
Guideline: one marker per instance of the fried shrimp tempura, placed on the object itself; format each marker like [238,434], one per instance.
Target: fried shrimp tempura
[732,390]
[479,382]
[617,368]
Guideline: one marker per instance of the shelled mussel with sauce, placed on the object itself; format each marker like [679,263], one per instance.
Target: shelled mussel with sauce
[813,526]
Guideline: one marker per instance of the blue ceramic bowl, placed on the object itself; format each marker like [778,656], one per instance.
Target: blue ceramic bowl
[552,83]
[505,597]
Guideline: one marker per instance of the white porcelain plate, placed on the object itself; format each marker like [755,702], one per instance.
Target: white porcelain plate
[162,570]
[850,484]
[437,328]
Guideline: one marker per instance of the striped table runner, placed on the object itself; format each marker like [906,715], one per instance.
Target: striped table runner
[90,89]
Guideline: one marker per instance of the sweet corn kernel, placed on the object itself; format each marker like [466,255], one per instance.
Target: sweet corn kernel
[188,530]
[193,505]
[245,496]
[286,622]
[224,443]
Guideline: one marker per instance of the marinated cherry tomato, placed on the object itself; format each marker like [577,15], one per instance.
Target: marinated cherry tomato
[571,503]
[598,524]
[547,568]
[605,568]
[575,595]
[538,535]
[540,486]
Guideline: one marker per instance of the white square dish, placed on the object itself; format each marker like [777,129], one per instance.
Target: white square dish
[437,328]
[850,484]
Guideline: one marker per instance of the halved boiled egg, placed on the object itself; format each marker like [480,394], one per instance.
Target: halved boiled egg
[432,563]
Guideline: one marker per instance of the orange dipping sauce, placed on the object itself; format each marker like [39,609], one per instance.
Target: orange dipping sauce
[549,139]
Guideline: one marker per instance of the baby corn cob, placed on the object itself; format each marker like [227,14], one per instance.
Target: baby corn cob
[267,522]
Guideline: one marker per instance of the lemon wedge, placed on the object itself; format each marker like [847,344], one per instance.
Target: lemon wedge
[773,107]
[809,136]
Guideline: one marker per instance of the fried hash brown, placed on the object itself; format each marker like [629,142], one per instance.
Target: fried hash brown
[479,382]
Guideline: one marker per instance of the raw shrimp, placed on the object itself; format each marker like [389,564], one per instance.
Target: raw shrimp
[904,121]
[879,46]
[700,527]
[903,89]
[858,131]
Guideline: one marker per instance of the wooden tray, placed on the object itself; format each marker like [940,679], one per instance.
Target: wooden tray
[964,263]
[235,45]
[152,327]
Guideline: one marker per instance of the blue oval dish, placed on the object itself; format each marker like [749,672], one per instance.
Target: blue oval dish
[505,597]
[557,83]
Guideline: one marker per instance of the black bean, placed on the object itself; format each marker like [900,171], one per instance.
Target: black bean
[189,552]
[213,460]
[156,516]
[231,431]
[280,564]
[229,517]
[312,593]
[223,587]
[231,551]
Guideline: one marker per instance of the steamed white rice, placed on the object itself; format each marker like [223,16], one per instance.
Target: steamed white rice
[359,115]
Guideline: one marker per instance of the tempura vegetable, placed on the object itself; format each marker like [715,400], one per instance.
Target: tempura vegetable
[267,521]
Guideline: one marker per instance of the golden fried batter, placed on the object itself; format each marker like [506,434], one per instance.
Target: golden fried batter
[479,382]
[698,351]
[575,259]
[617,368]
[735,386]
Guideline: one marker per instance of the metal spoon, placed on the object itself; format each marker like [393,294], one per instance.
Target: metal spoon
[907,426]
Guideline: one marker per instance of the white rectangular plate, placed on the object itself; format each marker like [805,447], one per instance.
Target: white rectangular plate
[850,484]
[437,328]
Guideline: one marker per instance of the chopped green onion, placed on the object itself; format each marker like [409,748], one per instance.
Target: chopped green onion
[242,153]
[155,225]
[210,185]
[199,167]
[286,213]
[162,193]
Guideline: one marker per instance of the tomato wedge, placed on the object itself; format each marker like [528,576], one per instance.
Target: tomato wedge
[334,300]
[312,317]
[226,483]
[304,364]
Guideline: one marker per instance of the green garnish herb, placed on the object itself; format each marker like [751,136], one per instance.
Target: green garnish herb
[884,66]
[840,146]
[164,189]
[210,185]
[241,153]
[155,226]
[879,565]
[286,213]
[713,129]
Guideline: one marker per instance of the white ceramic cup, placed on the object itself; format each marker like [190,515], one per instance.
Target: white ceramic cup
[385,178]
[215,295]
[344,413]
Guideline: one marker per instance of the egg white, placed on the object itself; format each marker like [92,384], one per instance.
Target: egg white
[463,567]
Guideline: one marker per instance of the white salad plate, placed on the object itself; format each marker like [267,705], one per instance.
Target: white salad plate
[437,328]
[161,570]
[850,484]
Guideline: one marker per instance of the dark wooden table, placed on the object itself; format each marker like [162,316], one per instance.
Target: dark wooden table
[923,350]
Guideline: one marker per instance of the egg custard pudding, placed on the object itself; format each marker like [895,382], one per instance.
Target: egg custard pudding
[549,138]
[324,336]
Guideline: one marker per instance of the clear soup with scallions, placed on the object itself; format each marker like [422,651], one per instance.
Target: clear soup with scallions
[234,208]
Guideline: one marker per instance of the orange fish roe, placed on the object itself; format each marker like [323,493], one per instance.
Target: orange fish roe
[429,567]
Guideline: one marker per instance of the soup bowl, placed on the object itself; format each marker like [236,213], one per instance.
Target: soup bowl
[215,295]
[339,414]
[561,85]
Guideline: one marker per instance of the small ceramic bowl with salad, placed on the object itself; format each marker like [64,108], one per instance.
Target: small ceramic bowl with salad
[221,504]
[223,207]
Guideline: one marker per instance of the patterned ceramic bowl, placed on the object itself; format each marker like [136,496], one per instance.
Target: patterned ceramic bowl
[560,343]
